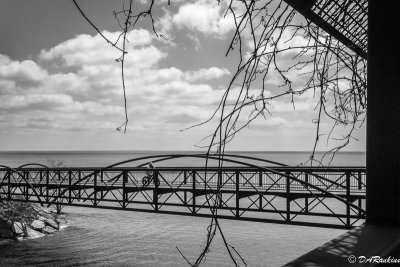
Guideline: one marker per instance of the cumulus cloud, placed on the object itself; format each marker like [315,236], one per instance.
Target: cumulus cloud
[86,50]
[90,95]
[175,74]
[206,74]
[35,101]
[206,16]
[24,73]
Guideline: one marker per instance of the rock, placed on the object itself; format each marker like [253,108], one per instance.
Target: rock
[47,215]
[31,234]
[51,223]
[37,225]
[49,230]
[18,228]
[61,221]
[42,218]
[6,233]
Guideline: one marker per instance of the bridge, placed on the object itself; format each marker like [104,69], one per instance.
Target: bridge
[312,196]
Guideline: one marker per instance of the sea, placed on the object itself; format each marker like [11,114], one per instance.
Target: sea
[97,237]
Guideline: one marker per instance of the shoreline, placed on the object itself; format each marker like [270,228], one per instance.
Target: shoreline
[22,221]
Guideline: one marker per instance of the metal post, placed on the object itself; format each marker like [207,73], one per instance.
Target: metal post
[70,187]
[125,177]
[306,199]
[194,193]
[124,194]
[47,186]
[26,174]
[348,200]
[287,197]
[79,190]
[60,200]
[260,178]
[237,194]
[219,194]
[185,192]
[155,190]
[95,188]
[9,184]
[383,146]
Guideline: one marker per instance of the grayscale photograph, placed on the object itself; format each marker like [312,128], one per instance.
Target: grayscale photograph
[199,133]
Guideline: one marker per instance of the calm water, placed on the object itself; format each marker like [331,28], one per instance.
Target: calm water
[105,158]
[120,238]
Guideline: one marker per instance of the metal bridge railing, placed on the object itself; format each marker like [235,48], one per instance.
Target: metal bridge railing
[331,197]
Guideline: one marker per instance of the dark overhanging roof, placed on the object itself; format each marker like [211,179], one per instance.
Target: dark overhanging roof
[345,20]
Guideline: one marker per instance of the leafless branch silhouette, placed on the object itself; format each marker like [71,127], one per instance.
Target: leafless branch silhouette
[266,34]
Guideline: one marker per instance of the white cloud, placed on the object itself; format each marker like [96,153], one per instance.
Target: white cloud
[25,71]
[206,74]
[90,92]
[206,16]
[174,74]
[86,50]
[87,96]
[35,101]
[164,24]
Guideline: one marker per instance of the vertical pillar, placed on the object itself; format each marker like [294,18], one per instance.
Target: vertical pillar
[26,175]
[47,186]
[383,131]
[95,188]
[155,190]
[219,187]
[348,223]
[306,204]
[194,192]
[237,194]
[70,187]
[288,197]
[185,191]
[9,184]
[79,186]
[124,194]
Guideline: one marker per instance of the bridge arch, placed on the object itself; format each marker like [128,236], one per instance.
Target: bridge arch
[223,158]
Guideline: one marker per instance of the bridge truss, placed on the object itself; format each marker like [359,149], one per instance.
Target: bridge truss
[327,197]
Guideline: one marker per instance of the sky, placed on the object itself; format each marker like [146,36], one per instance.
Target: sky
[61,88]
